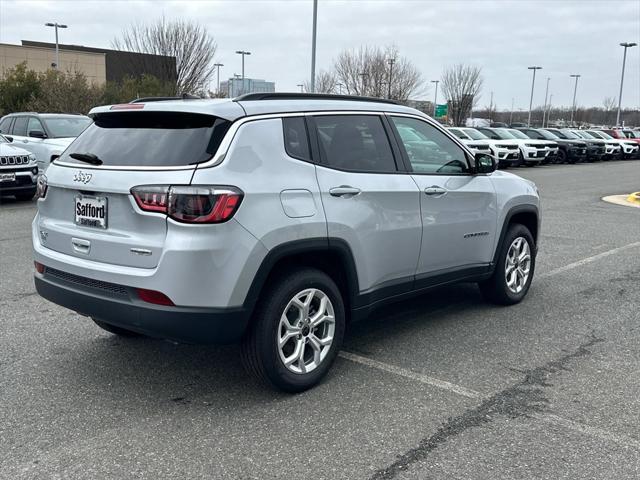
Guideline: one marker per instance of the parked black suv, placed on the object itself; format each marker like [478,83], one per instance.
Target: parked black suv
[595,149]
[570,151]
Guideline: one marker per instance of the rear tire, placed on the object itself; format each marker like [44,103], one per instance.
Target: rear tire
[514,269]
[122,332]
[282,347]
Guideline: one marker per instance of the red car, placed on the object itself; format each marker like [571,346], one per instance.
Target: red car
[632,135]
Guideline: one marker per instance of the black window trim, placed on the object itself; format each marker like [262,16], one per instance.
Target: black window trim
[320,155]
[405,156]
[309,141]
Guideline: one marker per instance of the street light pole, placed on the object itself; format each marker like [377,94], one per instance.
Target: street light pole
[243,53]
[218,65]
[549,109]
[56,25]
[513,100]
[340,88]
[624,61]
[575,89]
[546,93]
[491,108]
[313,46]
[533,82]
[391,62]
[435,97]
[301,85]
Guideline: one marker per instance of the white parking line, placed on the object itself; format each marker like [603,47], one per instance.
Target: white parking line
[587,260]
[465,392]
[457,389]
[586,429]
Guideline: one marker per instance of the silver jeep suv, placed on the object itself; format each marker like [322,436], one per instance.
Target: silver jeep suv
[273,220]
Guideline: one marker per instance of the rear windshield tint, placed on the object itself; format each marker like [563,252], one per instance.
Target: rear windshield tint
[158,139]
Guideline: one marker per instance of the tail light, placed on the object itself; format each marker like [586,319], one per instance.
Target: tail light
[41,186]
[190,203]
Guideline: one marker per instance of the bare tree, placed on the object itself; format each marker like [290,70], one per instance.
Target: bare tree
[610,105]
[461,85]
[189,43]
[326,82]
[376,72]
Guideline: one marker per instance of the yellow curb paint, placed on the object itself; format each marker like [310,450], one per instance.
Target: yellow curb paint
[634,198]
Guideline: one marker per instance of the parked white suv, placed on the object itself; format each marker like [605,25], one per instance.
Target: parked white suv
[18,171]
[46,135]
[532,152]
[273,220]
[476,146]
[506,153]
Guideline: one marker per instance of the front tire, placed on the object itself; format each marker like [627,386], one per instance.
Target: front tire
[514,269]
[297,331]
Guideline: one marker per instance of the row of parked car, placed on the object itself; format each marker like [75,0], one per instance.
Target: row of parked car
[28,143]
[532,146]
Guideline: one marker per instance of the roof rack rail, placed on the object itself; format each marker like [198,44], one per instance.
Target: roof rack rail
[309,96]
[184,96]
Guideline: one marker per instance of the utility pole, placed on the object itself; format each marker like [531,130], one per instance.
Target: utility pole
[624,61]
[544,110]
[435,98]
[56,25]
[313,46]
[391,62]
[533,82]
[218,65]
[575,89]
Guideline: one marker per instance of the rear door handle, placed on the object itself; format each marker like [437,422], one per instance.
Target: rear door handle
[344,191]
[435,190]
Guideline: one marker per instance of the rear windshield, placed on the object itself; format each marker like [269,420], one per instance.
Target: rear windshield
[158,139]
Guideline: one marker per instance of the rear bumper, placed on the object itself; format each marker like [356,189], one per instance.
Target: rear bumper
[122,308]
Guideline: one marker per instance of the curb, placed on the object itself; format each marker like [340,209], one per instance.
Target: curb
[632,200]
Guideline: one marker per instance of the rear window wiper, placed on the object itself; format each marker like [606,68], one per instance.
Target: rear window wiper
[87,157]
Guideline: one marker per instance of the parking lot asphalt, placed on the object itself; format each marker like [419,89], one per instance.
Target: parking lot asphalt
[445,386]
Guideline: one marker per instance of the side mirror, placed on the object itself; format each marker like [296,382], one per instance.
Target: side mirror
[37,134]
[9,139]
[485,163]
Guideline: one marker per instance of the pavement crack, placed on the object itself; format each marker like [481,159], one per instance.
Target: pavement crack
[524,399]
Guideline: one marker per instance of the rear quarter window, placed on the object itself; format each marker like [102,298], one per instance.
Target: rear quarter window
[150,139]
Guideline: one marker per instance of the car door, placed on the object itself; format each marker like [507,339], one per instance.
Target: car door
[37,145]
[459,213]
[369,204]
[19,132]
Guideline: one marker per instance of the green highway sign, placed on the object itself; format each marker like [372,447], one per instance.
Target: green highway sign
[441,110]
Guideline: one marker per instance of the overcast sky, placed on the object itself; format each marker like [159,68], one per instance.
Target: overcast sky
[501,36]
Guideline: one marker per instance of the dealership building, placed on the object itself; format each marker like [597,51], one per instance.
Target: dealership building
[99,65]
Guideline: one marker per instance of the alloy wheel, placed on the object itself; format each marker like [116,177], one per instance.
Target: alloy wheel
[306,331]
[518,265]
